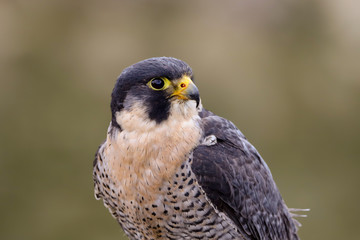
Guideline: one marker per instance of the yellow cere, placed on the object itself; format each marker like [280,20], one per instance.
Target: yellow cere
[181,85]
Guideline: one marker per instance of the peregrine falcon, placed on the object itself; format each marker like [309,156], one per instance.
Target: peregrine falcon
[169,169]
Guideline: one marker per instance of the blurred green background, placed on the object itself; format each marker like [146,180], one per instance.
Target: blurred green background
[286,72]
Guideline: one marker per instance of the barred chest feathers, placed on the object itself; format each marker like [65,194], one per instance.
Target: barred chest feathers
[145,179]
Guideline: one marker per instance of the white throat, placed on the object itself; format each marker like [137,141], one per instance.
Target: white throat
[151,152]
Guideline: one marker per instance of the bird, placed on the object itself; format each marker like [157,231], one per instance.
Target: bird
[170,169]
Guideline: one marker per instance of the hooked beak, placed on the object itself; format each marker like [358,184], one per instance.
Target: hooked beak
[187,90]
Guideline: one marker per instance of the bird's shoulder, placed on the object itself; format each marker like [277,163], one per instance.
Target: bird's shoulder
[238,182]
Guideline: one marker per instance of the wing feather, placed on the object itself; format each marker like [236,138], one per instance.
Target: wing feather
[239,183]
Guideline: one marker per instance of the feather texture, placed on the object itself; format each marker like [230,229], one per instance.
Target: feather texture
[238,182]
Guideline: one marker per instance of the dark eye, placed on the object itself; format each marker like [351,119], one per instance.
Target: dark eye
[157,83]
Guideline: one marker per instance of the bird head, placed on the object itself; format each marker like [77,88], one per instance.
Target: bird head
[155,89]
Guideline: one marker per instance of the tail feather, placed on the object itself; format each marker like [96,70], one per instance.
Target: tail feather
[293,214]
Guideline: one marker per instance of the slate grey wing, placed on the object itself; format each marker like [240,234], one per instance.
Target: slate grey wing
[239,183]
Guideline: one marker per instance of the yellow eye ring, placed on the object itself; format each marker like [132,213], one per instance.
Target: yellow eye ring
[159,83]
